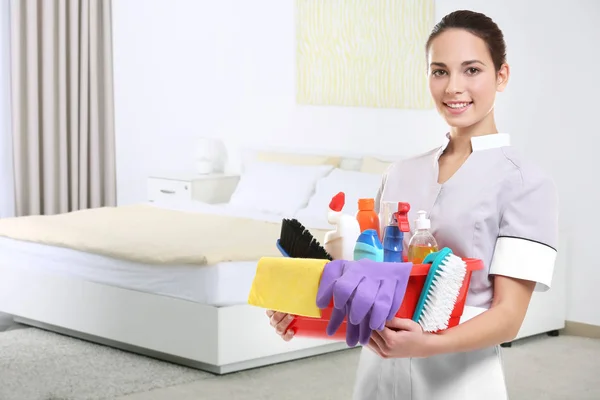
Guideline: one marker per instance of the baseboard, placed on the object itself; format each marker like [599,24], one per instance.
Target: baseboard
[581,329]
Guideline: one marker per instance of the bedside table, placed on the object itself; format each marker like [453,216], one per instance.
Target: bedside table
[178,188]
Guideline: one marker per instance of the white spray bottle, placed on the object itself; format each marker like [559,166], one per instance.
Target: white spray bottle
[340,242]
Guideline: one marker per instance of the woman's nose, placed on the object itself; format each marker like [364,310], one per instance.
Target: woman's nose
[455,85]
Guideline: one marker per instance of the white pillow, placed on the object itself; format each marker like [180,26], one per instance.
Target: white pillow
[354,184]
[277,188]
[374,166]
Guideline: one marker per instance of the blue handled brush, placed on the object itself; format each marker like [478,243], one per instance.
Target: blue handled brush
[296,241]
[441,290]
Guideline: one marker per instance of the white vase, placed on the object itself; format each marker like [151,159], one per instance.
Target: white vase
[204,166]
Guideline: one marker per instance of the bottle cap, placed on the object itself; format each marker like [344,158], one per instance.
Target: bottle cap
[422,222]
[337,202]
[366,204]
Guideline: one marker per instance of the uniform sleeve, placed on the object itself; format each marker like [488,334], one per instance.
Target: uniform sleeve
[526,246]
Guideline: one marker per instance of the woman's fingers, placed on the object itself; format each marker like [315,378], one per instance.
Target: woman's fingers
[276,318]
[280,321]
[375,347]
[285,321]
[288,335]
[377,344]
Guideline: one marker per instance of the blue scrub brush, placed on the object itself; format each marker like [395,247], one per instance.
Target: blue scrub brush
[441,290]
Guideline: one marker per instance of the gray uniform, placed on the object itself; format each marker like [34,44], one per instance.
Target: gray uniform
[496,207]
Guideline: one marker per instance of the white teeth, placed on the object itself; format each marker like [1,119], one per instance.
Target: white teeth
[458,105]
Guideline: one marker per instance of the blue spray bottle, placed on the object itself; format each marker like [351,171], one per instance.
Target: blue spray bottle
[393,235]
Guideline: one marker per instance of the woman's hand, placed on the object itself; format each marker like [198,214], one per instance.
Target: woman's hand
[401,338]
[281,321]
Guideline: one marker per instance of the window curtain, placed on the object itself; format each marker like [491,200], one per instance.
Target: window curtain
[7,184]
[62,105]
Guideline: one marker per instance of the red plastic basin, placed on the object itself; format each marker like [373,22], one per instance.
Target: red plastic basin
[316,327]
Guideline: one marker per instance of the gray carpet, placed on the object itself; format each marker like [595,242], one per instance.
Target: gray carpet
[38,365]
[553,368]
[539,368]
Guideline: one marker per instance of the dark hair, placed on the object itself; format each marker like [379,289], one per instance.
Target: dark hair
[479,25]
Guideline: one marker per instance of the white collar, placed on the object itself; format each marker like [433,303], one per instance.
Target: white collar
[493,141]
[484,142]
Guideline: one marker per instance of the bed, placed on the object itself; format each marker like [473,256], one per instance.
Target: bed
[187,314]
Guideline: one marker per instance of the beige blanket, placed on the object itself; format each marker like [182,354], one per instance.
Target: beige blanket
[152,235]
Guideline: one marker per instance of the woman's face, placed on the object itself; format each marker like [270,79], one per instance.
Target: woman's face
[462,79]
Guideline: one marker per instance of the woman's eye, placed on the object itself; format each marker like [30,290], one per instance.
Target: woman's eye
[438,72]
[472,71]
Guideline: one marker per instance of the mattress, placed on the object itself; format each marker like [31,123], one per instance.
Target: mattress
[222,284]
[218,285]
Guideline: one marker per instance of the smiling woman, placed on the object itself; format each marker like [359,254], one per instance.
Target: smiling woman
[485,201]
[467,66]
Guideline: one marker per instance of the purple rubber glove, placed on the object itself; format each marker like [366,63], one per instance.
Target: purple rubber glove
[368,292]
[334,270]
[354,333]
[358,333]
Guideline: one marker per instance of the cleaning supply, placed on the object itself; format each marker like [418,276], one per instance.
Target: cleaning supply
[441,290]
[367,217]
[287,285]
[368,292]
[393,235]
[368,246]
[422,243]
[297,241]
[340,243]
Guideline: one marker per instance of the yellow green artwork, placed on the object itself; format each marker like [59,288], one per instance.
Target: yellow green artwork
[363,53]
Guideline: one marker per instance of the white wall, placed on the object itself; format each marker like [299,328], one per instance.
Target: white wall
[187,68]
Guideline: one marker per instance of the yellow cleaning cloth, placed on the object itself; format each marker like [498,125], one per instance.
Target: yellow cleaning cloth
[287,285]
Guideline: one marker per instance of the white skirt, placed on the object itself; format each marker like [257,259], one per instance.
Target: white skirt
[474,375]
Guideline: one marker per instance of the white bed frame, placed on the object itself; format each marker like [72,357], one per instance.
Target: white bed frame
[215,339]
